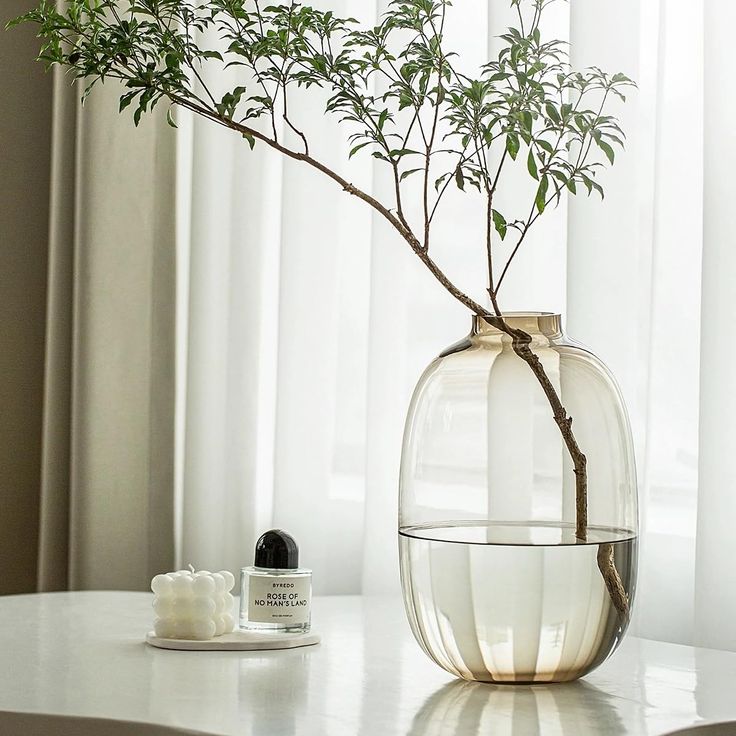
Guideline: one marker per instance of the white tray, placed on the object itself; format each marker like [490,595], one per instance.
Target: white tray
[237,641]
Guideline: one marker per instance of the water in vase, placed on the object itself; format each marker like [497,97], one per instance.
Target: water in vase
[509,602]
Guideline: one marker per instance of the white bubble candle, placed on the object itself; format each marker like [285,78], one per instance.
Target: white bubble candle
[193,605]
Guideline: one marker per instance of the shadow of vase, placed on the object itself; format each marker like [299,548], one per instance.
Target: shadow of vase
[470,708]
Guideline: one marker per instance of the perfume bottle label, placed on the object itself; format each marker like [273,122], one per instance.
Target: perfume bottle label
[283,599]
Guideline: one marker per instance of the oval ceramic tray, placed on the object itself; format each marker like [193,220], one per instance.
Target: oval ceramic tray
[237,641]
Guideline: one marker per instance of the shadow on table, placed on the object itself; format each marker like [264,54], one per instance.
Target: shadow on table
[41,724]
[470,708]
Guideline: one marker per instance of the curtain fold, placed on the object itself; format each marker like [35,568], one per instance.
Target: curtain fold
[227,354]
[715,599]
[25,156]
[107,468]
[53,557]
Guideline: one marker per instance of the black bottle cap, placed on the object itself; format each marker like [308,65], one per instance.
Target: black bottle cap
[277,550]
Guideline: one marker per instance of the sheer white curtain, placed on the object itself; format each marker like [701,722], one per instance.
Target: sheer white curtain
[305,323]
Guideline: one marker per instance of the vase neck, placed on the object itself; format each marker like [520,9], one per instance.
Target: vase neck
[533,323]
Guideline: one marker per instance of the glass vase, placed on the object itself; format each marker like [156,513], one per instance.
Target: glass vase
[500,581]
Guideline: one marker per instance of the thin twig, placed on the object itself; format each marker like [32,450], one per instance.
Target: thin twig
[463,159]
[489,244]
[527,226]
[435,119]
[282,81]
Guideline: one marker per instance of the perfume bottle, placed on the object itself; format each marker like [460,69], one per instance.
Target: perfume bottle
[275,594]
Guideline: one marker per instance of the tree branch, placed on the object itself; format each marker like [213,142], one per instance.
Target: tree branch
[612,579]
[282,80]
[162,58]
[489,249]
[435,119]
[520,339]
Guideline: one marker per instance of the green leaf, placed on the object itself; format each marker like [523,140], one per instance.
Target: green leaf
[607,149]
[251,140]
[499,222]
[541,199]
[126,99]
[531,165]
[512,145]
[357,148]
[399,152]
[170,119]
[13,22]
[405,100]
[527,120]
[459,179]
[440,180]
[591,185]
[552,112]
[408,173]
[559,175]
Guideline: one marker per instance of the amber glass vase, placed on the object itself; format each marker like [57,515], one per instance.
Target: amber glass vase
[497,585]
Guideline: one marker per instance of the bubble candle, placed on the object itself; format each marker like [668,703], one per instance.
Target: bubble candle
[193,605]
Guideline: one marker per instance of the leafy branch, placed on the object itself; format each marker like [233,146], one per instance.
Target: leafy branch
[404,96]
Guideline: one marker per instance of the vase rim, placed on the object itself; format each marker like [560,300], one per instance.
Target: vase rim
[544,323]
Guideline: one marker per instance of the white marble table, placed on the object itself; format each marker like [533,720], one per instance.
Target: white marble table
[82,655]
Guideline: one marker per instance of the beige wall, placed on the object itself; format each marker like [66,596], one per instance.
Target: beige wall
[25,129]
